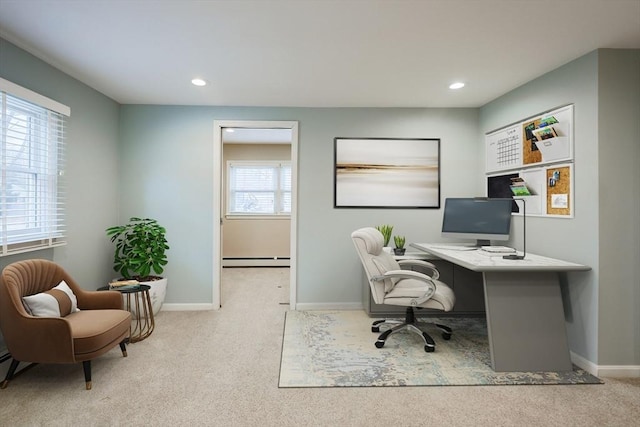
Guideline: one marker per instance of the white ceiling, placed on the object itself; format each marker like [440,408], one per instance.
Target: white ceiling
[314,53]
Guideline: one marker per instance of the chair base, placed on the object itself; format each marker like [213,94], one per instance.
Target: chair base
[410,324]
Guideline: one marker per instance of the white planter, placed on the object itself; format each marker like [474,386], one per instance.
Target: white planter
[157,293]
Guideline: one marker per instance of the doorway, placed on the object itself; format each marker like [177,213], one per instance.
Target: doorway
[219,190]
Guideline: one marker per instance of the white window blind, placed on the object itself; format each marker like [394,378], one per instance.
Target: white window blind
[258,188]
[32,139]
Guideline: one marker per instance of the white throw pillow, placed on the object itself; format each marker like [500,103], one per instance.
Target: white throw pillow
[57,302]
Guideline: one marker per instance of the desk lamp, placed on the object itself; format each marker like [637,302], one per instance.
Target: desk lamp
[524,228]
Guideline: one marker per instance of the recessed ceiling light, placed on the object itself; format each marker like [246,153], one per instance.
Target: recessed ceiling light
[230,130]
[457,85]
[199,82]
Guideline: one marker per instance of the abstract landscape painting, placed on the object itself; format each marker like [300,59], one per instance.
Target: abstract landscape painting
[387,173]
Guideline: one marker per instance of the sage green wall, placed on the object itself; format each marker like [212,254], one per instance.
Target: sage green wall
[91,170]
[594,301]
[167,172]
[619,204]
[91,167]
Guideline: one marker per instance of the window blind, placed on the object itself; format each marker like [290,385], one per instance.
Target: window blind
[32,192]
[259,188]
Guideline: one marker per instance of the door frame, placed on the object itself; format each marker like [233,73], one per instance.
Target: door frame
[218,190]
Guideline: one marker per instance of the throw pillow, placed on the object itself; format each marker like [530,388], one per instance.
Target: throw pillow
[56,302]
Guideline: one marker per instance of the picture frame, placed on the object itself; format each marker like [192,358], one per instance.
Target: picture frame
[391,173]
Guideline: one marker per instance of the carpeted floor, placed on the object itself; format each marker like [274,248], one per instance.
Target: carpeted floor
[336,349]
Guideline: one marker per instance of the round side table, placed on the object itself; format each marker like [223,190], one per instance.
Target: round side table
[138,302]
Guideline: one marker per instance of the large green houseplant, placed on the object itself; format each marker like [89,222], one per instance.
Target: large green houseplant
[140,254]
[140,248]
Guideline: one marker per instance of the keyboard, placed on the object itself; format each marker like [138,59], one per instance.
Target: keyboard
[498,249]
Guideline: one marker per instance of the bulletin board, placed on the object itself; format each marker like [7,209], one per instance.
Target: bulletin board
[550,187]
[544,138]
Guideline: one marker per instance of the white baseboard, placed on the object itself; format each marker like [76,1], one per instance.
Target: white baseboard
[604,371]
[259,262]
[329,306]
[299,306]
[619,371]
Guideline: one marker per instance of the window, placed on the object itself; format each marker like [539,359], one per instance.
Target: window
[258,188]
[32,136]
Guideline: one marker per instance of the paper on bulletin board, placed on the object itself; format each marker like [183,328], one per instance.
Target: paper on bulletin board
[559,201]
[559,190]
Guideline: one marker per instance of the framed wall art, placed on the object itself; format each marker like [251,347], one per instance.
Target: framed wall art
[387,173]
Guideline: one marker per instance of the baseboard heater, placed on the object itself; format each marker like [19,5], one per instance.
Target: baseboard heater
[257,262]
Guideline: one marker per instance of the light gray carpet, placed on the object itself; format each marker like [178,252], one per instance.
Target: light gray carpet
[221,368]
[336,349]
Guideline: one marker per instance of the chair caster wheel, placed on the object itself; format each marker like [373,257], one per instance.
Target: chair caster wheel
[446,336]
[429,349]
[375,329]
[379,344]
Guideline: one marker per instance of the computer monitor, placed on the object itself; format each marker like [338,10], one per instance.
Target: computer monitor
[482,219]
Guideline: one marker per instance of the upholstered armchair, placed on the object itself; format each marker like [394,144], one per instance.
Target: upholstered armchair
[392,285]
[46,317]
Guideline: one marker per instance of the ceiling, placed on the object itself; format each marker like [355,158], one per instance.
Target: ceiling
[314,53]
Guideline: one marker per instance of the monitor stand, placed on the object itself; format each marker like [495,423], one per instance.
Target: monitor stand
[481,242]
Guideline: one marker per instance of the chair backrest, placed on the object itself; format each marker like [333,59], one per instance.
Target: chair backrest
[24,278]
[369,244]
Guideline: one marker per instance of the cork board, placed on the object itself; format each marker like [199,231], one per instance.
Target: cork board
[559,190]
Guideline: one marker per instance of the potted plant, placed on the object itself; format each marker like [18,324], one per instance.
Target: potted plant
[399,241]
[386,232]
[140,254]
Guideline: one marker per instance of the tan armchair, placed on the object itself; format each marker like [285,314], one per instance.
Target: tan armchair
[80,336]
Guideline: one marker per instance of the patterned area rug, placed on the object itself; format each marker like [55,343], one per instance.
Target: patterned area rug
[336,349]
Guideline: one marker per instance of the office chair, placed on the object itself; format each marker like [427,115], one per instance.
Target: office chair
[45,317]
[392,285]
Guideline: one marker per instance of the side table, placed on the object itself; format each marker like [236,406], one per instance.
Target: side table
[138,302]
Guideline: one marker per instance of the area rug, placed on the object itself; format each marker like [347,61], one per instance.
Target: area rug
[336,349]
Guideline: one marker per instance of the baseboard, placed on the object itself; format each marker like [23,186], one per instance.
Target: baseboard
[299,306]
[256,262]
[187,307]
[606,371]
[329,306]
[619,371]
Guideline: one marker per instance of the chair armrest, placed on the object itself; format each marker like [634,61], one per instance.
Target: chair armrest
[40,340]
[99,300]
[435,274]
[416,295]
[407,274]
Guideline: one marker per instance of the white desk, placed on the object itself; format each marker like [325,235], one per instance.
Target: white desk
[523,303]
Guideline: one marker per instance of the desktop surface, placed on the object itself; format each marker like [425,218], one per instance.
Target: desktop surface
[473,259]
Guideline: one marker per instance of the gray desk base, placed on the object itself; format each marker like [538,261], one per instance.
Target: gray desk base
[525,321]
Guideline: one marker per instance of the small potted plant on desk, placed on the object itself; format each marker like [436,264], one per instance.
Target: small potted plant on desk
[385,230]
[399,241]
[140,255]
